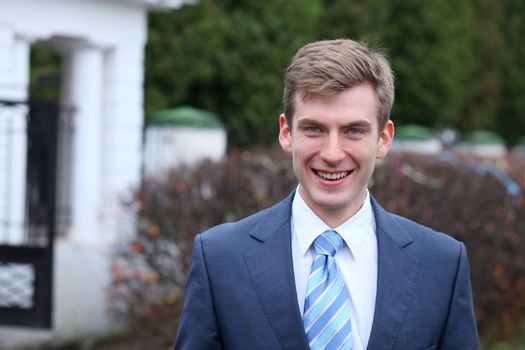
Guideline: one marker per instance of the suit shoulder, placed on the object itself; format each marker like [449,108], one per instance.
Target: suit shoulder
[435,241]
[234,227]
[405,231]
[265,219]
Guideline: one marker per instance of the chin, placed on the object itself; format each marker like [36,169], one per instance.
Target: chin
[331,204]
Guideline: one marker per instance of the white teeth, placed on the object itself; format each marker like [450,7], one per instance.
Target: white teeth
[332,176]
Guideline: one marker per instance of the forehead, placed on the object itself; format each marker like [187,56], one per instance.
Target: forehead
[359,101]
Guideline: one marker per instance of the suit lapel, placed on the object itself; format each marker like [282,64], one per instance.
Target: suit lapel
[271,270]
[398,271]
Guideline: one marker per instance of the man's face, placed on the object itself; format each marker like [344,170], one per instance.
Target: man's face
[334,141]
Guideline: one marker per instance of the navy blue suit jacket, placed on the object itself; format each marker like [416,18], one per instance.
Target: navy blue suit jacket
[241,293]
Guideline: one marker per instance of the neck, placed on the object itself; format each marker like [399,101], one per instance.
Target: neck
[335,216]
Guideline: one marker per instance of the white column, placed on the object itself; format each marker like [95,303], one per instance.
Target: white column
[14,65]
[82,88]
[13,165]
[14,78]
[123,123]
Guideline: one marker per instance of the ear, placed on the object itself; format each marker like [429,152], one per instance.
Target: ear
[386,136]
[285,134]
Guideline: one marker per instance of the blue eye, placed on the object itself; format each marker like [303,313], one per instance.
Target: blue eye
[312,129]
[356,133]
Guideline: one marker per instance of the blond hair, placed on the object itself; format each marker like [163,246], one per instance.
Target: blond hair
[331,66]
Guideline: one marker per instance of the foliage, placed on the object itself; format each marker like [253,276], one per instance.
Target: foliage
[456,63]
[430,49]
[463,196]
[512,119]
[429,44]
[482,90]
[227,57]
[467,198]
[364,20]
[172,210]
[44,81]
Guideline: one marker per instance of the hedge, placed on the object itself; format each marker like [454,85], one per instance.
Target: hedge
[476,201]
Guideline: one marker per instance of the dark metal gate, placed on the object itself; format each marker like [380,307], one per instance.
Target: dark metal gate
[26,261]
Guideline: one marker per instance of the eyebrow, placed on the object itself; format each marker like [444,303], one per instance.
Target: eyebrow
[307,121]
[357,123]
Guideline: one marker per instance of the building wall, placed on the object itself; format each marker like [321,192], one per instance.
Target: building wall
[101,44]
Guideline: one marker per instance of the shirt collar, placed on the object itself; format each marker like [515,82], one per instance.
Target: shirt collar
[308,226]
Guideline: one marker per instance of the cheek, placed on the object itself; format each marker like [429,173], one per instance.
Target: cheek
[299,167]
[300,159]
[361,151]
[305,149]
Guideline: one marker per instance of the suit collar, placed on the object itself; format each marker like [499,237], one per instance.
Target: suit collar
[308,226]
[272,219]
[388,225]
[271,270]
[279,215]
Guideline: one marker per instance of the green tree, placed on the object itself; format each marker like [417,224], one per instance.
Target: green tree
[228,57]
[179,54]
[483,86]
[44,78]
[512,116]
[456,63]
[430,46]
[354,19]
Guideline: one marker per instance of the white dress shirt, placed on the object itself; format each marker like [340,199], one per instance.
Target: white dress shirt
[357,261]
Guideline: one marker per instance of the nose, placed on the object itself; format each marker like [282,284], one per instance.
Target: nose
[332,152]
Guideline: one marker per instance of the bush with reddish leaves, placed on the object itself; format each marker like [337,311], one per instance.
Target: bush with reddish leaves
[478,202]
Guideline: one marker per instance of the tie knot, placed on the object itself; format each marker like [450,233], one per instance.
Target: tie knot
[328,243]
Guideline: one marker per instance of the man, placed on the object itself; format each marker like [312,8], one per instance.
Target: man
[328,268]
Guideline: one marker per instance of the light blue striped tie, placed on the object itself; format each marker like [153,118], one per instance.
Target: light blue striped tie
[327,306]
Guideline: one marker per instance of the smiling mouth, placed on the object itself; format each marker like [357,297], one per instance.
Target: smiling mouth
[331,176]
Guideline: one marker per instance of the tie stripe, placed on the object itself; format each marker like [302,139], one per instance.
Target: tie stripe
[323,297]
[321,310]
[317,283]
[334,331]
[327,306]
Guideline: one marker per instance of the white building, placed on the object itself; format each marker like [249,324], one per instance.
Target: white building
[484,144]
[416,139]
[182,136]
[101,46]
